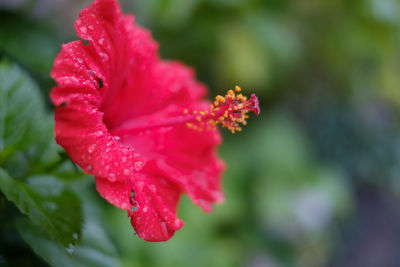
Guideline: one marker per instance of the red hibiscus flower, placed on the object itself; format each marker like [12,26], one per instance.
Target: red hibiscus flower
[139,124]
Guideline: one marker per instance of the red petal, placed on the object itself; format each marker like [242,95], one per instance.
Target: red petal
[153,88]
[185,157]
[154,217]
[80,130]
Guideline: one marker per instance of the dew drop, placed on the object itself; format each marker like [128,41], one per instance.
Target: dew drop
[117,138]
[104,56]
[70,249]
[112,177]
[75,236]
[91,148]
[177,222]
[138,165]
[83,29]
[89,167]
[98,133]
[153,189]
[123,159]
[164,227]
[127,172]
[91,72]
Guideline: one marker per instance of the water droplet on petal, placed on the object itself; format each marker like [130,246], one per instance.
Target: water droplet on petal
[164,227]
[138,165]
[83,29]
[112,177]
[154,190]
[177,222]
[104,56]
[91,148]
[98,133]
[127,172]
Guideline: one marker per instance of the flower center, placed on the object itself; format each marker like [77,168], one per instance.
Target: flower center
[230,111]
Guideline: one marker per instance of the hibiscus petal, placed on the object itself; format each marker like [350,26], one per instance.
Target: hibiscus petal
[155,219]
[120,45]
[80,130]
[185,157]
[155,200]
[161,84]
[73,75]
[117,193]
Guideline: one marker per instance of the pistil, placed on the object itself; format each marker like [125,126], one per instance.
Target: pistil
[230,111]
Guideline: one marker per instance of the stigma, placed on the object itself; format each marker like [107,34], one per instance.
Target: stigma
[229,111]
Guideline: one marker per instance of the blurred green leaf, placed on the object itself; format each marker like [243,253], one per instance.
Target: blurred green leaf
[95,248]
[26,131]
[47,203]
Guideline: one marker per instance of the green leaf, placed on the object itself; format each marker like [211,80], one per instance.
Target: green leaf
[95,248]
[26,130]
[47,203]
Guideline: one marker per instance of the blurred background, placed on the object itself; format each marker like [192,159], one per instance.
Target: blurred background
[312,181]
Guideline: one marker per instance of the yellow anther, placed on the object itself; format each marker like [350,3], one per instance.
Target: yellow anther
[185,111]
[220,99]
[230,111]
